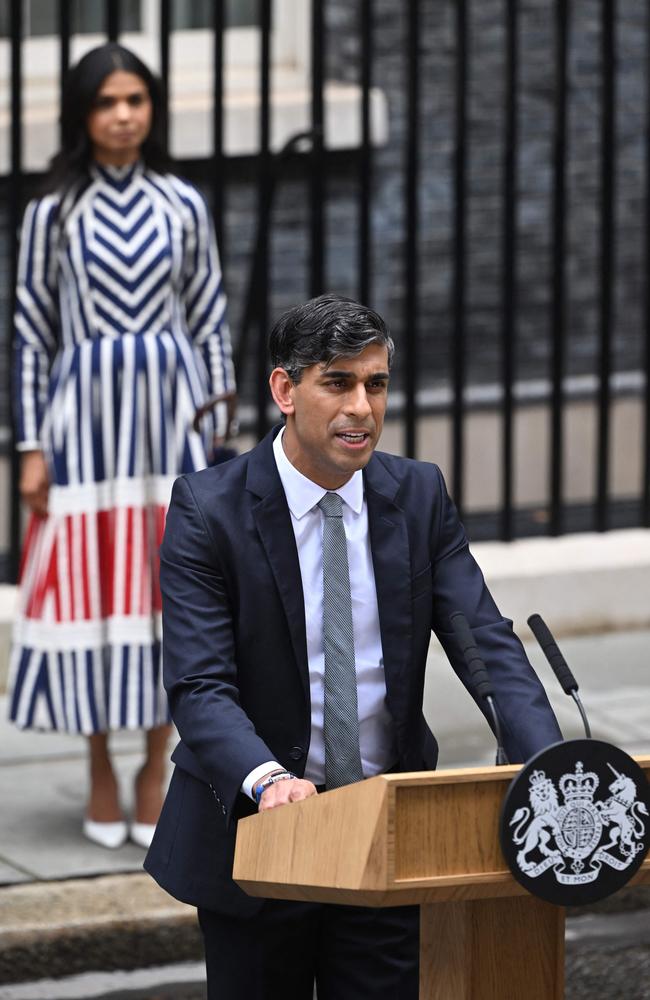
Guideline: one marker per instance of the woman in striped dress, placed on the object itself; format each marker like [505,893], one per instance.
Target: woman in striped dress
[120,339]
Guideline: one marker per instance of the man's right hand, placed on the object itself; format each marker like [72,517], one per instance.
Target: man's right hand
[287,790]
[34,483]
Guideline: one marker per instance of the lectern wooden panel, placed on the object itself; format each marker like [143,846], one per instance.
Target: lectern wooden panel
[429,838]
[512,949]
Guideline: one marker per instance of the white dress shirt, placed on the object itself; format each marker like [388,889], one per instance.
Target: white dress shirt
[376,736]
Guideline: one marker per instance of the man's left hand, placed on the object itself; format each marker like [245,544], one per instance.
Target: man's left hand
[288,790]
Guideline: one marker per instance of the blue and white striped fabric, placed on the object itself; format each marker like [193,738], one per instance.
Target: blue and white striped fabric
[120,336]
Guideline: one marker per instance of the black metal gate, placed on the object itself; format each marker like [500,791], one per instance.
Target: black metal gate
[429,167]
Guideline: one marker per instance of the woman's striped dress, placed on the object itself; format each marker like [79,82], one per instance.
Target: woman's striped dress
[120,336]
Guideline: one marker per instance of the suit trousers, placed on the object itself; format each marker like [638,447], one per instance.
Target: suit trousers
[350,952]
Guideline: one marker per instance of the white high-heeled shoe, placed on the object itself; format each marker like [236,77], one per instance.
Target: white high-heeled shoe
[111,835]
[142,834]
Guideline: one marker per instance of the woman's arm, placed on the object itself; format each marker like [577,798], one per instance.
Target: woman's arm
[36,339]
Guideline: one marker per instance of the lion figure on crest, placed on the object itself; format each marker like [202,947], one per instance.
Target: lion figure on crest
[544,802]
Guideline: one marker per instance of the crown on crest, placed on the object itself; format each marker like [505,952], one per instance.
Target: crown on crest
[579,786]
[537,778]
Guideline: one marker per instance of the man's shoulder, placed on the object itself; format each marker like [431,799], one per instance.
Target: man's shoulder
[251,474]
[415,487]
[218,480]
[404,469]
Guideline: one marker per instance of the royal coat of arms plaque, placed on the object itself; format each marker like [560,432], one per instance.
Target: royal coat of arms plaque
[575,823]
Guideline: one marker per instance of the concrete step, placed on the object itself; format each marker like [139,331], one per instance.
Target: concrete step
[54,929]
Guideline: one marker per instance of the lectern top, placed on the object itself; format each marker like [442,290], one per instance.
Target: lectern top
[391,840]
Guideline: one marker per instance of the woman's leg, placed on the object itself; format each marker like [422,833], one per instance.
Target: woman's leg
[103,802]
[150,779]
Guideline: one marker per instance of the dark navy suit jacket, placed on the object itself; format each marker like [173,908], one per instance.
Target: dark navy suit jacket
[235,649]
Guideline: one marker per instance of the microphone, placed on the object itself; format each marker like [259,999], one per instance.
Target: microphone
[558,664]
[480,677]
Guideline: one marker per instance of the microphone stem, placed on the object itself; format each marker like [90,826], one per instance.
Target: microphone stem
[585,720]
[501,754]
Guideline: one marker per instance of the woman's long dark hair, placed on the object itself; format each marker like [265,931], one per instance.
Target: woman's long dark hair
[82,83]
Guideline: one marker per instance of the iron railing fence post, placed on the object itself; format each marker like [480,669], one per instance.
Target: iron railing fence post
[509,271]
[365,155]
[459,272]
[163,47]
[112,19]
[65,29]
[15,206]
[411,257]
[317,180]
[558,269]
[264,205]
[217,168]
[645,459]
[607,256]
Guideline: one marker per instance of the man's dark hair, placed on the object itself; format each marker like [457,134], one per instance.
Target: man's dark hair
[327,327]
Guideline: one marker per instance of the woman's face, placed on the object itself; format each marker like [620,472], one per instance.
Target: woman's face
[120,119]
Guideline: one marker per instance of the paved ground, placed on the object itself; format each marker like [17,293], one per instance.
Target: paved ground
[607,957]
[43,789]
[171,982]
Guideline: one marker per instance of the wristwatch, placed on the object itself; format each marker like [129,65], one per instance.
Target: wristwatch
[259,790]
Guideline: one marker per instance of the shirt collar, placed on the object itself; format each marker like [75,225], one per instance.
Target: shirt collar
[302,494]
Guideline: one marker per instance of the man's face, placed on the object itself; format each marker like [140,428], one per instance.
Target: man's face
[335,415]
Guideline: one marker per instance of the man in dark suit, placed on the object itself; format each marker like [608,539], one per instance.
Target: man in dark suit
[256,672]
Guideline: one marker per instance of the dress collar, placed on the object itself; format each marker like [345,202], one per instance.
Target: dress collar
[117,177]
[302,494]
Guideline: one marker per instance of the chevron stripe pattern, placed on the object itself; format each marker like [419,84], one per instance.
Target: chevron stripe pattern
[120,335]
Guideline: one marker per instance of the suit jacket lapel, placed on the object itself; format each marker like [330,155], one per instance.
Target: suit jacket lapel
[392,565]
[273,520]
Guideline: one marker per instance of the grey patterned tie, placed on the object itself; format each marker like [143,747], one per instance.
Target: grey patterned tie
[341,718]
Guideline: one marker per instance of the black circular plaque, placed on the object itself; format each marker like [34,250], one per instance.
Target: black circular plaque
[575,822]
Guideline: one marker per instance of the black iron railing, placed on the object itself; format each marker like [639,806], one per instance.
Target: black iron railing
[308,157]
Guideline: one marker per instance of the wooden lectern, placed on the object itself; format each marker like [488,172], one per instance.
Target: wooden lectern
[429,838]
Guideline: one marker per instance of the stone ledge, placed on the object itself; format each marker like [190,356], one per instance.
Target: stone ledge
[580,584]
[50,929]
